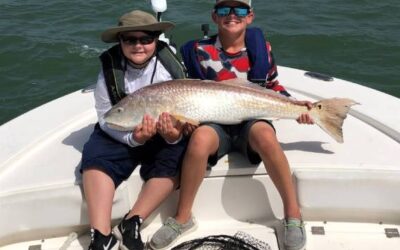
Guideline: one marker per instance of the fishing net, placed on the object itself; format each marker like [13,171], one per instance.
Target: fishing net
[240,241]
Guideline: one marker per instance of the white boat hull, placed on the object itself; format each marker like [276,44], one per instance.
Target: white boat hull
[353,187]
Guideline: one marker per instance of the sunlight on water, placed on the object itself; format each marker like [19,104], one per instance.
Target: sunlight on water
[48,49]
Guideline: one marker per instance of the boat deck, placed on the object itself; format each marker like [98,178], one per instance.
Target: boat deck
[320,235]
[352,186]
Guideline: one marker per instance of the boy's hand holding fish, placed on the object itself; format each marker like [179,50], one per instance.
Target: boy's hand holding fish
[144,131]
[170,130]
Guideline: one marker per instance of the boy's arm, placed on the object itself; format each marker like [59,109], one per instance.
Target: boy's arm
[273,83]
[102,105]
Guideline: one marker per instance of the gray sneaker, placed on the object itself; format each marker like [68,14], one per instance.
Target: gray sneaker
[170,232]
[295,234]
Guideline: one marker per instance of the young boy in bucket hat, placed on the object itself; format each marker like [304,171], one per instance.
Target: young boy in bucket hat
[235,52]
[110,156]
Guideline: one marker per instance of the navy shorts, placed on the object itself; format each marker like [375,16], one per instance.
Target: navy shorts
[117,160]
[235,138]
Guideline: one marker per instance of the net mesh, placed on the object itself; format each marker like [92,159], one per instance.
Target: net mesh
[240,241]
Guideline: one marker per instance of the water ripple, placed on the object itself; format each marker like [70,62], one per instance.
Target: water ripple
[50,48]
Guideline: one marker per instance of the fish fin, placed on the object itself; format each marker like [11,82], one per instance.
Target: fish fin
[245,84]
[241,82]
[184,119]
[235,81]
[331,114]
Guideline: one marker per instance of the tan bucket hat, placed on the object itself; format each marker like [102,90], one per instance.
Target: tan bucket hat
[132,21]
[245,2]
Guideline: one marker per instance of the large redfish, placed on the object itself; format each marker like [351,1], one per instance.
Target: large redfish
[226,102]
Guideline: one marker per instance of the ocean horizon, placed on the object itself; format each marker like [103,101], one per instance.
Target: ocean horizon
[49,49]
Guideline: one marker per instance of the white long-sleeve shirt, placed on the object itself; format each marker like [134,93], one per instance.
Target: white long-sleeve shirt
[134,80]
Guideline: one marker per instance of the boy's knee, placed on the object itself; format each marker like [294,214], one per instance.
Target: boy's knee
[203,141]
[262,135]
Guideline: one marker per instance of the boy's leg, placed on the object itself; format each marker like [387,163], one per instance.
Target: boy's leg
[105,164]
[99,192]
[153,193]
[262,139]
[203,142]
[160,167]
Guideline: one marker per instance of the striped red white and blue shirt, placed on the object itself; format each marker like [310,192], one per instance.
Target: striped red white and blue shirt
[219,65]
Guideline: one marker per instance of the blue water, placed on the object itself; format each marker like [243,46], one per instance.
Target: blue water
[51,48]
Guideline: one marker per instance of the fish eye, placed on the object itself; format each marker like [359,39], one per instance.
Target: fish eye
[119,110]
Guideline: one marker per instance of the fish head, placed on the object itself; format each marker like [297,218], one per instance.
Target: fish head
[123,117]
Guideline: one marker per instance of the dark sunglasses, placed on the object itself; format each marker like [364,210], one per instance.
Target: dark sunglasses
[132,40]
[239,11]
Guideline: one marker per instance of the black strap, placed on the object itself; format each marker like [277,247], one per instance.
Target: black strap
[113,72]
[114,67]
[154,70]
[170,61]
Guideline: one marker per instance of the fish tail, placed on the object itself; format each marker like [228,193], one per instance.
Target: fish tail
[329,114]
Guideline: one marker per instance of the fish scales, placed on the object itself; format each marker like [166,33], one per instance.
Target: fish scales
[226,102]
